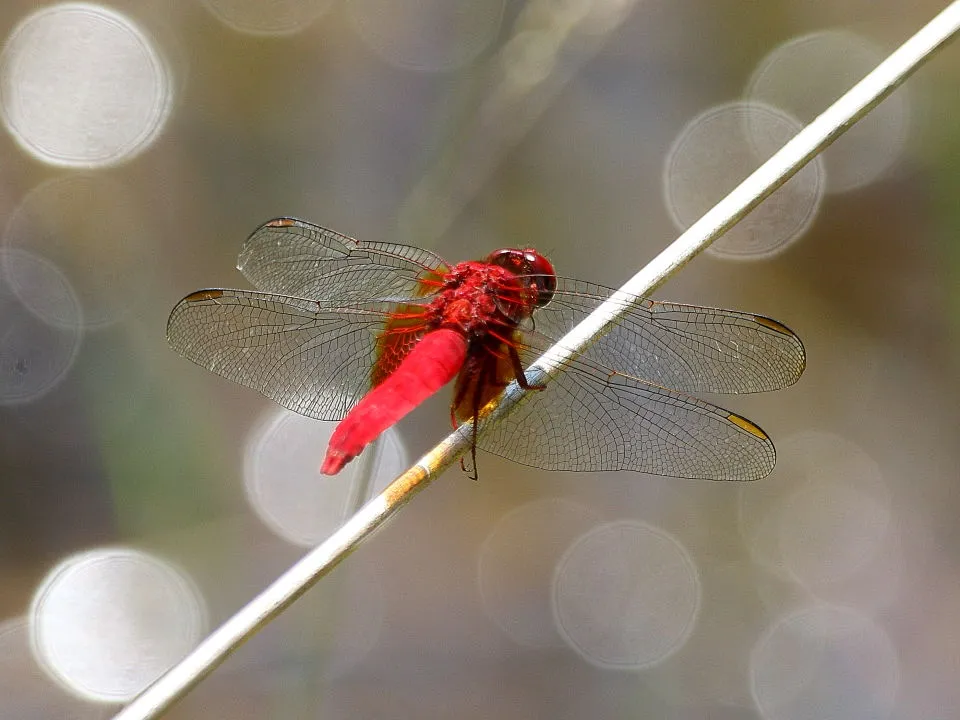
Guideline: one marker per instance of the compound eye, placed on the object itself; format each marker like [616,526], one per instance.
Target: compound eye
[535,270]
[541,273]
[506,258]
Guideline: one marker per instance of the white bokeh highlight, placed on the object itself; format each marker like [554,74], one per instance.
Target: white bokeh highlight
[427,35]
[830,530]
[41,326]
[277,17]
[91,228]
[626,595]
[517,562]
[714,153]
[825,662]
[26,693]
[825,518]
[83,86]
[712,667]
[805,75]
[108,622]
[284,486]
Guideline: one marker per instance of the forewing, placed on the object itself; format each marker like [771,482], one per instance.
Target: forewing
[294,257]
[587,419]
[313,359]
[682,347]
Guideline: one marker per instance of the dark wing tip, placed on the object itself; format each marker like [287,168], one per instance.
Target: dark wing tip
[201,295]
[277,223]
[792,338]
[741,422]
[273,230]
[758,470]
[280,222]
[774,325]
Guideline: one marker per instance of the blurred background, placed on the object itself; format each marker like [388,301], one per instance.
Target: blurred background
[143,500]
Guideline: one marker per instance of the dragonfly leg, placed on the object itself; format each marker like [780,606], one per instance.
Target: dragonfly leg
[518,372]
[488,375]
[458,398]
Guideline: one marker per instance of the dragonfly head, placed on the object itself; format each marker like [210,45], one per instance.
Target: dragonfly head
[530,267]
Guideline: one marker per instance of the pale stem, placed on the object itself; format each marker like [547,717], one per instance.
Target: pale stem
[775,172]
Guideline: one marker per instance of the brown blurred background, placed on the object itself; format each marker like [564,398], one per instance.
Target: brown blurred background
[143,500]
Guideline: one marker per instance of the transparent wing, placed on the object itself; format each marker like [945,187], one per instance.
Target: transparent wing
[589,419]
[294,257]
[312,359]
[682,347]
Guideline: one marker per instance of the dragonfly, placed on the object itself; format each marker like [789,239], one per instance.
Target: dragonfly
[362,332]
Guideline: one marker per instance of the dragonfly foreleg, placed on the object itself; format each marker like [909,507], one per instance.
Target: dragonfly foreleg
[519,373]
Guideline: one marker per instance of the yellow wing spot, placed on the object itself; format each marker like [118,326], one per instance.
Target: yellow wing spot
[744,424]
[281,222]
[773,325]
[202,295]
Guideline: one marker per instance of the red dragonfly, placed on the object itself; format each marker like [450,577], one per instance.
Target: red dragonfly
[362,332]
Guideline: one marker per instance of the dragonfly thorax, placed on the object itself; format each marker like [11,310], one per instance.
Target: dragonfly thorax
[478,297]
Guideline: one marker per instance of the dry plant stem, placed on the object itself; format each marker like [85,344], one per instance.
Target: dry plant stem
[784,164]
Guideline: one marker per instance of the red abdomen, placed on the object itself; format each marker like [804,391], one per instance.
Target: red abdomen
[431,364]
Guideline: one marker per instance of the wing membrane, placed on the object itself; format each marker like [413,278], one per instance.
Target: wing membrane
[312,359]
[588,419]
[682,347]
[293,257]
